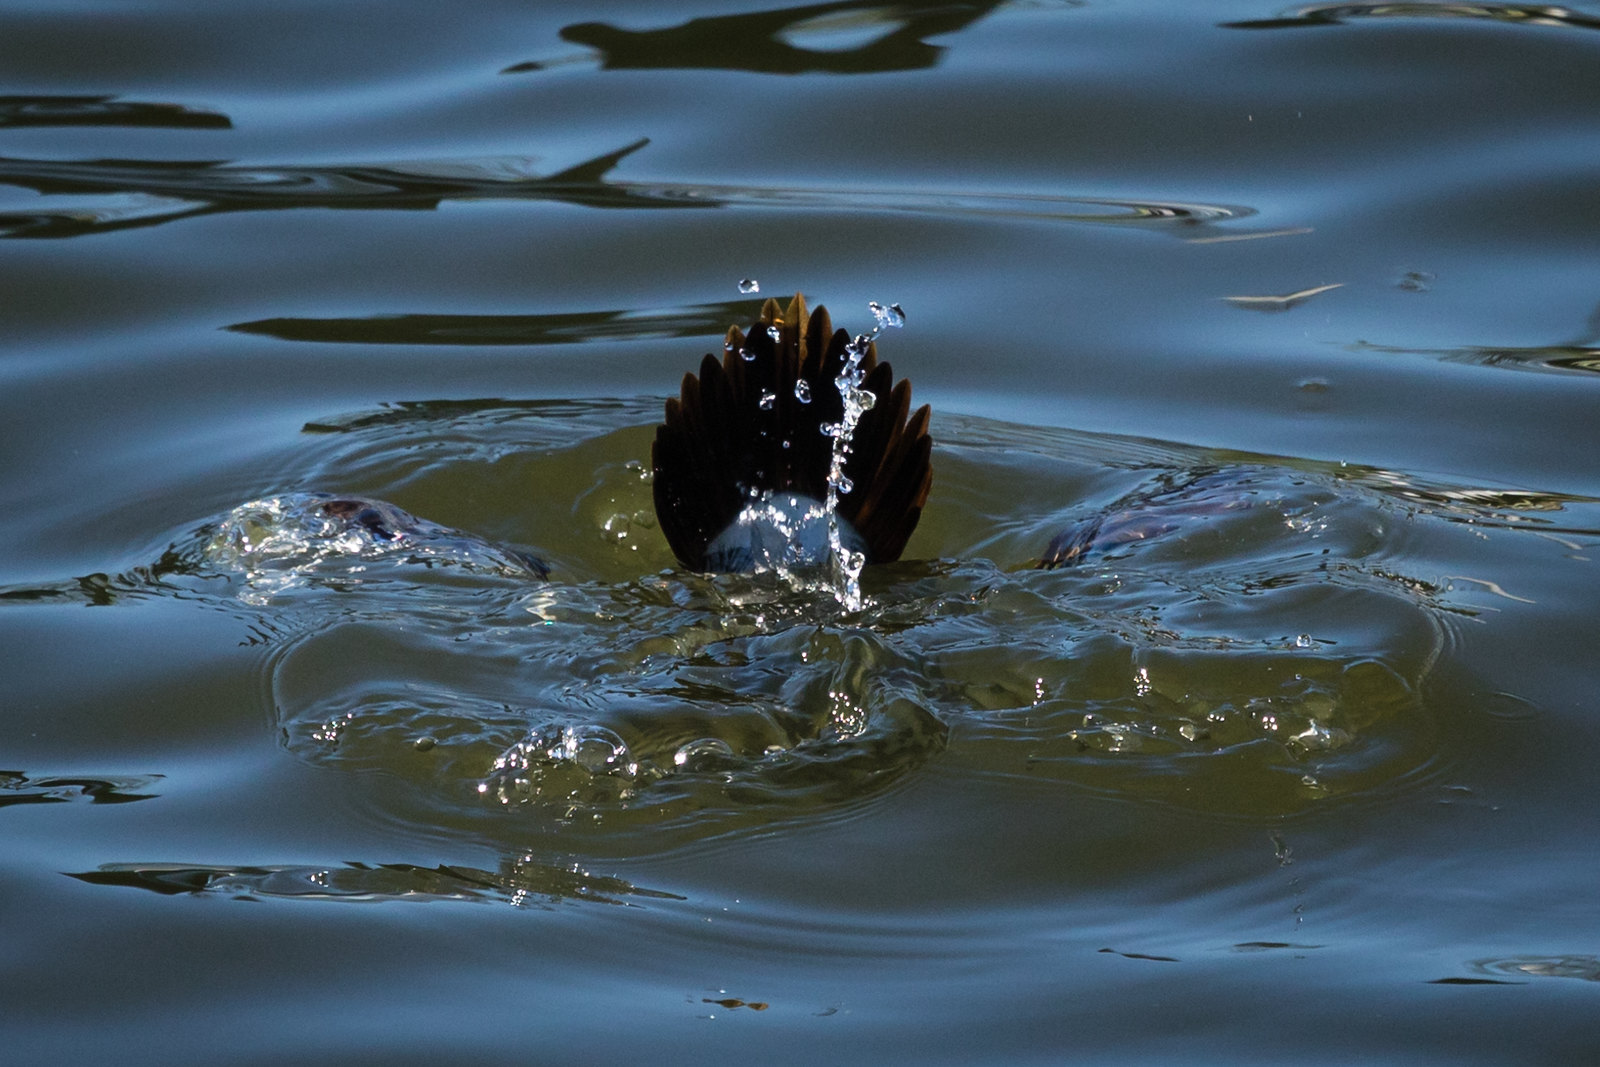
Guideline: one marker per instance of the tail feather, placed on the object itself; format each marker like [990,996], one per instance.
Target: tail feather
[753,423]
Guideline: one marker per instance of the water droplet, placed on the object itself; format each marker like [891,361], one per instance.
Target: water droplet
[774,333]
[749,285]
[802,391]
[748,355]
[866,400]
[1303,641]
[768,399]
[889,318]
[845,486]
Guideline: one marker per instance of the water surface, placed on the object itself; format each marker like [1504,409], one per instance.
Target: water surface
[1306,293]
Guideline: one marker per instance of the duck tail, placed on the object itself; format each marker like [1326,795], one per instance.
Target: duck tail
[753,423]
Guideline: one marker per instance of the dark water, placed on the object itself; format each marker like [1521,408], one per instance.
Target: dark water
[1308,293]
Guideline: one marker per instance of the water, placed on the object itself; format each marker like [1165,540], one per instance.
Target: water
[1274,327]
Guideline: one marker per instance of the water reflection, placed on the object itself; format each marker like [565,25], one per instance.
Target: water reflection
[567,328]
[149,192]
[1338,14]
[522,882]
[17,787]
[852,37]
[1581,354]
[1583,967]
[105,111]
[1559,359]
[101,196]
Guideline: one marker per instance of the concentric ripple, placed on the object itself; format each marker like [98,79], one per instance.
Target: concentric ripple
[1239,634]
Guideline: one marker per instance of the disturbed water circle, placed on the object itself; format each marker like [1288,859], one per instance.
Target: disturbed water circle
[1242,637]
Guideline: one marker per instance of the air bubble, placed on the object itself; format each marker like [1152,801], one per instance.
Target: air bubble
[704,753]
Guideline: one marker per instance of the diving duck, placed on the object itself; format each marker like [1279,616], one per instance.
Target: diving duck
[743,458]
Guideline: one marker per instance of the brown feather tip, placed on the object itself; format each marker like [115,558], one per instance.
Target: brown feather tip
[746,428]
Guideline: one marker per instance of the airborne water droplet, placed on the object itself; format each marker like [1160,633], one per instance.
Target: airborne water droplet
[774,333]
[891,317]
[749,285]
[845,485]
[802,391]
[748,355]
[768,399]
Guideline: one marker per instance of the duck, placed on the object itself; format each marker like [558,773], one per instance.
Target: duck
[742,459]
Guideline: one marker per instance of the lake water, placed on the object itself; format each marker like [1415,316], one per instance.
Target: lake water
[1309,292]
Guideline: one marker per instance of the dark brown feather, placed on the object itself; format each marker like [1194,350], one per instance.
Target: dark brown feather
[719,446]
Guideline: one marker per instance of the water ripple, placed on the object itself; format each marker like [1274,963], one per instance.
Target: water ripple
[1339,14]
[523,882]
[59,110]
[105,195]
[1260,638]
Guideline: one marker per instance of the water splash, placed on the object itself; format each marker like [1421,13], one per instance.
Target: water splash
[846,561]
[276,544]
[781,532]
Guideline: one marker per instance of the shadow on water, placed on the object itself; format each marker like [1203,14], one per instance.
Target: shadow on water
[1257,641]
[852,37]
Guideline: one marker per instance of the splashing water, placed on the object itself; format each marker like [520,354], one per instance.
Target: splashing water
[846,560]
